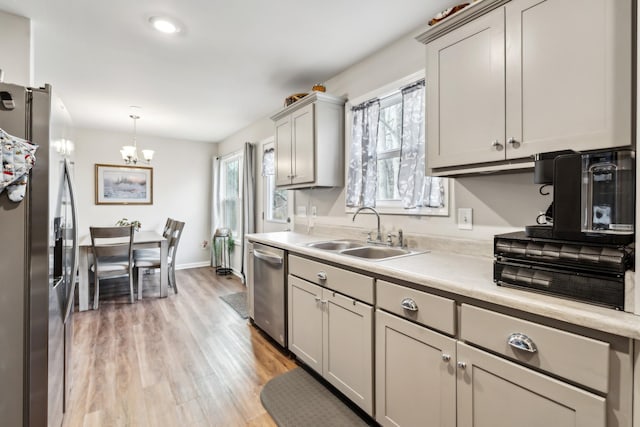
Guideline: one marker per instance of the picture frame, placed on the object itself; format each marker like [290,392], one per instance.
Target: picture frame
[123,185]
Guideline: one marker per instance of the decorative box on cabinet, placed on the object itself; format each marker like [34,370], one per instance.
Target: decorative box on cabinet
[309,142]
[506,80]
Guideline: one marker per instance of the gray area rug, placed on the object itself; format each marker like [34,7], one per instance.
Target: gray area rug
[297,399]
[238,302]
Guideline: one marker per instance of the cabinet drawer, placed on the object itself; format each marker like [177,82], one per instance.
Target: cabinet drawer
[575,357]
[355,285]
[432,311]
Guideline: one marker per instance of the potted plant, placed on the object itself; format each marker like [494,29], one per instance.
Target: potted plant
[124,222]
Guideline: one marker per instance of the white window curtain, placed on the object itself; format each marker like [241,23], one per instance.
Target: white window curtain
[269,162]
[248,197]
[216,216]
[363,166]
[411,174]
[414,188]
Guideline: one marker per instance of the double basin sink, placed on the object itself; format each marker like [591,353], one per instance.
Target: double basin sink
[361,250]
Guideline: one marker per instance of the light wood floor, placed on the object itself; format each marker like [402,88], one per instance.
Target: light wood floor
[185,360]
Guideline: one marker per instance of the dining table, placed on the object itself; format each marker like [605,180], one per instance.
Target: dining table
[142,239]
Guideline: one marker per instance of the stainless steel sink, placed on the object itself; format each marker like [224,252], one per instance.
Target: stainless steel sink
[360,249]
[375,252]
[335,245]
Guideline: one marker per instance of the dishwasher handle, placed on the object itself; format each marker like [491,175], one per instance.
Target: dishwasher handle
[264,256]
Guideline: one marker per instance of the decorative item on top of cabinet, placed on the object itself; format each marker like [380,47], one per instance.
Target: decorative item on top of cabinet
[309,142]
[508,80]
[447,12]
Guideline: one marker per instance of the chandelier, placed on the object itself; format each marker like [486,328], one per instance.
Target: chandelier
[130,152]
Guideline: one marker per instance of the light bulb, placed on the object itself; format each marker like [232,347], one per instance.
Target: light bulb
[164,25]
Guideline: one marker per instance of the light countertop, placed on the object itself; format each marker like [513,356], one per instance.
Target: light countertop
[467,276]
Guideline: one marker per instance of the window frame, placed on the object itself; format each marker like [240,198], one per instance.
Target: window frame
[390,207]
[224,161]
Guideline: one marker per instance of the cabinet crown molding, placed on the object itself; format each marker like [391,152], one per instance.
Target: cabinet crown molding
[471,12]
[309,99]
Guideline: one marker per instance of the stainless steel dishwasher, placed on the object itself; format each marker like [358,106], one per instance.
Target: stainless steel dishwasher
[269,291]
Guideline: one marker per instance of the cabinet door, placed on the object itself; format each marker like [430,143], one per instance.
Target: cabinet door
[415,374]
[303,145]
[283,151]
[568,75]
[348,348]
[493,392]
[465,94]
[305,322]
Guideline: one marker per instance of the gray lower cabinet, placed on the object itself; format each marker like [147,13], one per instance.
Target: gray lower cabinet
[333,334]
[497,393]
[415,374]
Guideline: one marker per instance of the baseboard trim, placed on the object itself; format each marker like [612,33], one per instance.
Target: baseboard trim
[193,265]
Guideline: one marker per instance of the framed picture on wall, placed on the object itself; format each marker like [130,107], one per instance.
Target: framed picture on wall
[124,185]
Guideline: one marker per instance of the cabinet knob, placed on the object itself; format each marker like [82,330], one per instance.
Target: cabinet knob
[496,145]
[462,365]
[322,275]
[513,143]
[446,357]
[318,299]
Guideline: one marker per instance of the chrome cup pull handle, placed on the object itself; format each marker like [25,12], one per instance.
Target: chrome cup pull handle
[522,342]
[409,304]
[322,275]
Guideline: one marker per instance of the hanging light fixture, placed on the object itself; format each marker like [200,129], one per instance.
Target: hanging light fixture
[130,152]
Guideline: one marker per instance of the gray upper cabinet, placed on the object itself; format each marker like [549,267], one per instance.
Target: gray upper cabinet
[309,142]
[506,80]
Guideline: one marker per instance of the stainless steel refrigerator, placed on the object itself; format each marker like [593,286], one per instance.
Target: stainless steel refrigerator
[38,264]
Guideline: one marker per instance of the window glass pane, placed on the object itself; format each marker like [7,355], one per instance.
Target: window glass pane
[230,209]
[390,127]
[276,202]
[387,176]
[232,178]
[230,194]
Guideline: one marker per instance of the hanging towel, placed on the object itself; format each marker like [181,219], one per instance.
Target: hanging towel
[18,157]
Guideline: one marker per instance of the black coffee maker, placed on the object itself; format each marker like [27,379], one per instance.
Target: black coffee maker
[593,197]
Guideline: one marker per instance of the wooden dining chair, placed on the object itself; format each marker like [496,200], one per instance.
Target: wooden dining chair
[155,252]
[112,256]
[142,260]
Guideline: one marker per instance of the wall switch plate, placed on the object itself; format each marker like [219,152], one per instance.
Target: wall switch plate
[465,218]
[301,211]
[314,211]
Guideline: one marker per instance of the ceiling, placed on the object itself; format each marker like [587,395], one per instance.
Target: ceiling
[233,63]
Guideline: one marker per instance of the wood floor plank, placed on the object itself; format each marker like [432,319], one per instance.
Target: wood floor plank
[184,360]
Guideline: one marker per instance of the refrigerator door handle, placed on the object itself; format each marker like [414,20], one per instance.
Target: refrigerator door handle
[74,222]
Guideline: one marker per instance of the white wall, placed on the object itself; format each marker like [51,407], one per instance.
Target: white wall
[15,48]
[181,187]
[500,202]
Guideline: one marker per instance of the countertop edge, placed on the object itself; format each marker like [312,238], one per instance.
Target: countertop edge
[573,312]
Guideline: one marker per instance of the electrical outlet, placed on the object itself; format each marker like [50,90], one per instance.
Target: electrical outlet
[465,218]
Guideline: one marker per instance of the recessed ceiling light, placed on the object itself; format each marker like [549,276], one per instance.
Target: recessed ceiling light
[164,25]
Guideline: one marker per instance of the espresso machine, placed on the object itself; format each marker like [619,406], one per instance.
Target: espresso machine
[593,196]
[586,246]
